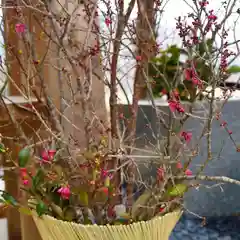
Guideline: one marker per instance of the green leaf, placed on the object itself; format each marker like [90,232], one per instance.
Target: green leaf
[9,199]
[23,157]
[234,69]
[69,214]
[117,222]
[141,201]
[177,129]
[2,148]
[53,194]
[58,170]
[41,209]
[107,182]
[177,190]
[25,210]
[38,178]
[83,198]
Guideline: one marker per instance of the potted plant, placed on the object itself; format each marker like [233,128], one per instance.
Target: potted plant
[93,188]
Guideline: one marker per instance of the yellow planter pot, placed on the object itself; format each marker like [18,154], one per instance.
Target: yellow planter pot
[158,228]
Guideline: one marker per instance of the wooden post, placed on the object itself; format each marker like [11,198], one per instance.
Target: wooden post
[29,229]
[51,80]
[29,125]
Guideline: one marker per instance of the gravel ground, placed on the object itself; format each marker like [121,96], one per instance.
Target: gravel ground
[226,228]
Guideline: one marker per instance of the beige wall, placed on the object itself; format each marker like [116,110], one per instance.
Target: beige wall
[78,38]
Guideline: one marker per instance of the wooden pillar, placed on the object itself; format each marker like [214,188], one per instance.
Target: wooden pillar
[7,129]
[29,229]
[14,54]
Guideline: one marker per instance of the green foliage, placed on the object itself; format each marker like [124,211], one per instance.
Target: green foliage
[25,210]
[38,178]
[41,209]
[8,199]
[69,214]
[167,70]
[83,198]
[24,157]
[177,190]
[163,67]
[141,201]
[2,148]
[233,69]
[51,191]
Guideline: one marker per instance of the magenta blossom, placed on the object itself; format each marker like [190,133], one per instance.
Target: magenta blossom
[25,182]
[108,21]
[104,173]
[188,172]
[211,16]
[64,192]
[51,153]
[20,28]
[187,136]
[23,172]
[160,174]
[188,74]
[196,81]
[175,106]
[47,156]
[179,165]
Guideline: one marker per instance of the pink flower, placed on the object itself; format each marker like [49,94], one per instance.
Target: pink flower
[172,105]
[25,182]
[104,173]
[108,21]
[64,192]
[187,136]
[48,156]
[211,16]
[23,172]
[196,81]
[203,3]
[45,156]
[121,115]
[179,165]
[160,173]
[138,58]
[175,106]
[51,153]
[164,92]
[105,190]
[20,28]
[188,172]
[161,209]
[188,74]
[176,93]
[223,124]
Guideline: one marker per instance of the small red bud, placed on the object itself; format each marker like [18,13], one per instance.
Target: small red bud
[223,124]
[138,58]
[188,172]
[161,209]
[121,116]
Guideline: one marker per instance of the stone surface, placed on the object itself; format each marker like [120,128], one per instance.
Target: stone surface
[226,228]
